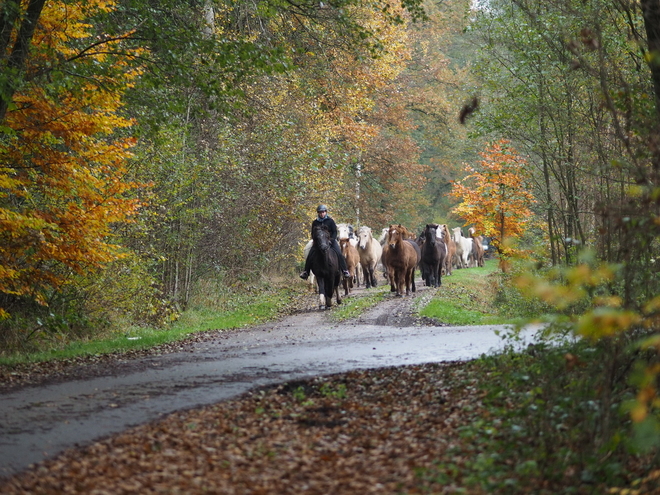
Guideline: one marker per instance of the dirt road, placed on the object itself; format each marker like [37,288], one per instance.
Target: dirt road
[39,421]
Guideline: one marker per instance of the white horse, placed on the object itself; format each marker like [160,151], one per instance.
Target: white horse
[463,246]
[345,231]
[383,235]
[307,248]
[370,252]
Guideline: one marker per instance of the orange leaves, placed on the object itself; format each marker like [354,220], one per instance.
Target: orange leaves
[495,197]
[62,181]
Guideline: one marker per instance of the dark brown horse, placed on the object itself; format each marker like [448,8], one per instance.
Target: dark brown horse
[401,258]
[325,266]
[434,253]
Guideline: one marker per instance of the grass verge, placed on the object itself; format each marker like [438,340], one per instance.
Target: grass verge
[467,297]
[240,310]
[352,307]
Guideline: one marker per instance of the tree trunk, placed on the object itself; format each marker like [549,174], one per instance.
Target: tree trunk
[651,12]
[16,61]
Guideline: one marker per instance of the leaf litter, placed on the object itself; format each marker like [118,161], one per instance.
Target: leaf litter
[367,431]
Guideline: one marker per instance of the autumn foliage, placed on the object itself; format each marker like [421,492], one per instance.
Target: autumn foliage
[495,197]
[62,157]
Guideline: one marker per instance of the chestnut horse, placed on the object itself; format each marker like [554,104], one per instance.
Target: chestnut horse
[401,258]
[352,261]
[408,237]
[325,266]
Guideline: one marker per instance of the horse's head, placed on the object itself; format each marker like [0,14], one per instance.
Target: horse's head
[431,233]
[444,232]
[364,235]
[395,235]
[321,237]
[343,230]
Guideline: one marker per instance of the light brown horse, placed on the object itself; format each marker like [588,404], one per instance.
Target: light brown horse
[477,247]
[352,260]
[401,258]
[451,249]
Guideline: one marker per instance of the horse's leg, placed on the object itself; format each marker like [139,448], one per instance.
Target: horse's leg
[321,283]
[330,285]
[372,272]
[399,281]
[337,293]
[367,276]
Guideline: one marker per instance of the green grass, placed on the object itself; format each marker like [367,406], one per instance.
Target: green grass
[352,307]
[467,297]
[242,310]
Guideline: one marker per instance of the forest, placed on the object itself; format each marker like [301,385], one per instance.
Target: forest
[150,151]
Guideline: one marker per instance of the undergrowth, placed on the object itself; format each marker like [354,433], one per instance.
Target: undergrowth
[554,422]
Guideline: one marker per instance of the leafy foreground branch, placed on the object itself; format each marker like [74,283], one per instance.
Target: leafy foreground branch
[535,422]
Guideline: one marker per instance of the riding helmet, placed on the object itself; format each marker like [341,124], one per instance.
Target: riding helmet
[321,208]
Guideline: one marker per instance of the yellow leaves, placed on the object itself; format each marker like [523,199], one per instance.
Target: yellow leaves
[494,196]
[652,306]
[587,276]
[647,399]
[563,287]
[67,167]
[606,322]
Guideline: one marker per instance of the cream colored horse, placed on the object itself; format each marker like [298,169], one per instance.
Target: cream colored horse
[370,252]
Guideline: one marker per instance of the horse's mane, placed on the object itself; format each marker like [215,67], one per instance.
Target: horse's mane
[405,233]
[445,232]
[317,228]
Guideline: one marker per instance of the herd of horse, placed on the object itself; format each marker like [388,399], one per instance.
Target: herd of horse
[436,251]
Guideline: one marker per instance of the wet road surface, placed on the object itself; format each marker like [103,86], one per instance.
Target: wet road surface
[39,422]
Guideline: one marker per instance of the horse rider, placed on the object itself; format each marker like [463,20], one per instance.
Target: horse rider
[324,219]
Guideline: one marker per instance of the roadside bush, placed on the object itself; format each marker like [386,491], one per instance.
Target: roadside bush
[85,308]
[555,422]
[511,300]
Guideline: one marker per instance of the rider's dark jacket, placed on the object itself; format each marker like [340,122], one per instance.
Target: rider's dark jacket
[332,227]
[329,223]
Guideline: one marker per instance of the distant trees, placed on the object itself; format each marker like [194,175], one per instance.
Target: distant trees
[564,82]
[152,145]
